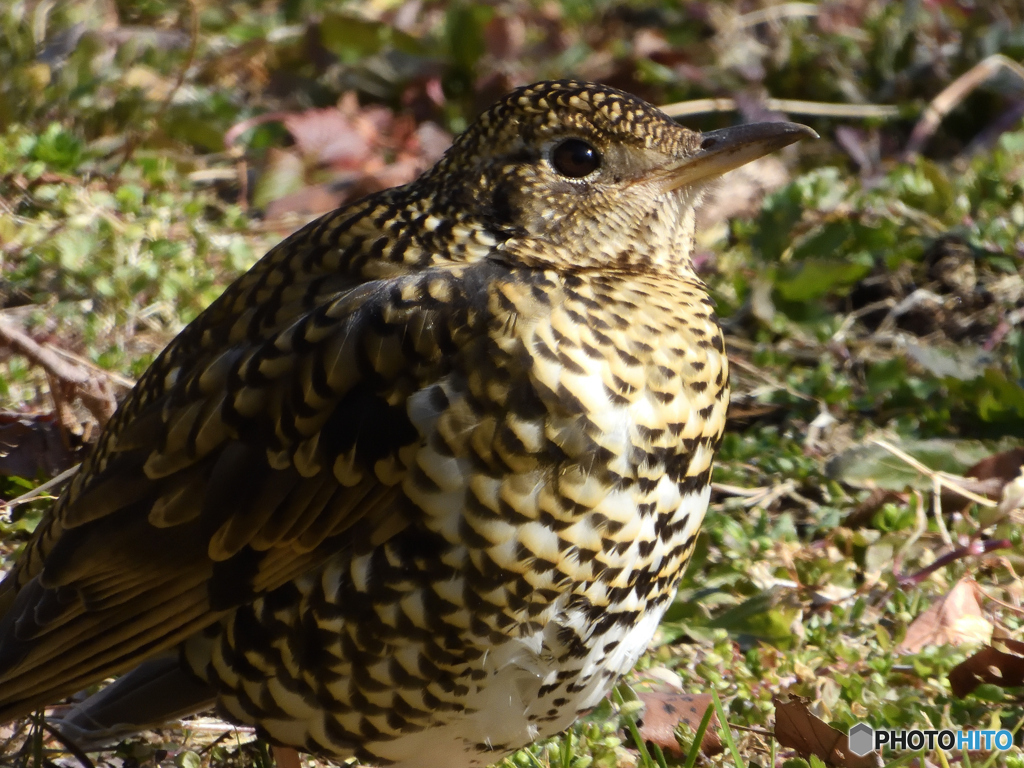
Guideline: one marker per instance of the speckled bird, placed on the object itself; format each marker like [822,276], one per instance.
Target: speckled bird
[418,488]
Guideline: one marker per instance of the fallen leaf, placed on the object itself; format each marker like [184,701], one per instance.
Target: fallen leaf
[31,445]
[663,711]
[1001,663]
[505,36]
[303,205]
[364,149]
[994,472]
[952,620]
[797,728]
[286,757]
[331,136]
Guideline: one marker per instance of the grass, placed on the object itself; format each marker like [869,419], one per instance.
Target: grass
[870,295]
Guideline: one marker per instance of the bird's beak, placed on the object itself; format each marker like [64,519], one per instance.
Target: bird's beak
[729,148]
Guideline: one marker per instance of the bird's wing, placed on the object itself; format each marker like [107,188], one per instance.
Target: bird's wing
[270,434]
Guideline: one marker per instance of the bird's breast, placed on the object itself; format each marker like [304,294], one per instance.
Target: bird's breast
[570,449]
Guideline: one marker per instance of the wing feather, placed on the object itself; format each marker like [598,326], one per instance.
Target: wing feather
[258,444]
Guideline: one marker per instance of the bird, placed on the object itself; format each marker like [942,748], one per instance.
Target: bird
[419,486]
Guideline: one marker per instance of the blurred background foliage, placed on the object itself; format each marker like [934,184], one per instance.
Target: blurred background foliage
[870,283]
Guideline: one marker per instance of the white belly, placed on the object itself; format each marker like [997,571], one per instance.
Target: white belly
[512,710]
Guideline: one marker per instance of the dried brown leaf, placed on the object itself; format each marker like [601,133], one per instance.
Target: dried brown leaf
[797,728]
[664,710]
[505,37]
[286,757]
[305,204]
[952,620]
[993,473]
[1001,663]
[32,445]
[331,137]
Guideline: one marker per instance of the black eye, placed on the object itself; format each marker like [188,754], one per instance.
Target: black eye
[575,158]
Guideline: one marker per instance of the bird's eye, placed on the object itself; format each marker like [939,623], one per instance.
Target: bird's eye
[575,158]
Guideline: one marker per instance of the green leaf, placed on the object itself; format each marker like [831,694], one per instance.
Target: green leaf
[74,247]
[58,148]
[828,239]
[464,32]
[872,466]
[1001,398]
[757,617]
[350,38]
[814,278]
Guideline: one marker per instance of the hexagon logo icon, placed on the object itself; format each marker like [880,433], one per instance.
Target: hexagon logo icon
[862,739]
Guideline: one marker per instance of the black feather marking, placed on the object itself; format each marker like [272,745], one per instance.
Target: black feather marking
[364,420]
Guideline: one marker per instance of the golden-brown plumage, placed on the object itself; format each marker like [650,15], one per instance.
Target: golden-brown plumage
[418,487]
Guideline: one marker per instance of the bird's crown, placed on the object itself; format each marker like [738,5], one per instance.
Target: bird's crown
[542,110]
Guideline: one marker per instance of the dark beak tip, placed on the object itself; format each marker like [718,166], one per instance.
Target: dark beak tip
[797,132]
[786,131]
[779,134]
[806,131]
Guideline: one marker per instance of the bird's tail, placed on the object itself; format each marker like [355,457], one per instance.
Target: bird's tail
[156,692]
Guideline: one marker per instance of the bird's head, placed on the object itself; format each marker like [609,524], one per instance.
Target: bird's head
[576,175]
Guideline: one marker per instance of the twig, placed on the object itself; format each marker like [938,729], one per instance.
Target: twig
[792,106]
[763,496]
[735,490]
[748,729]
[1015,608]
[39,490]
[216,725]
[943,479]
[224,736]
[69,745]
[115,377]
[937,513]
[242,171]
[757,372]
[955,93]
[92,391]
[852,317]
[920,526]
[972,549]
